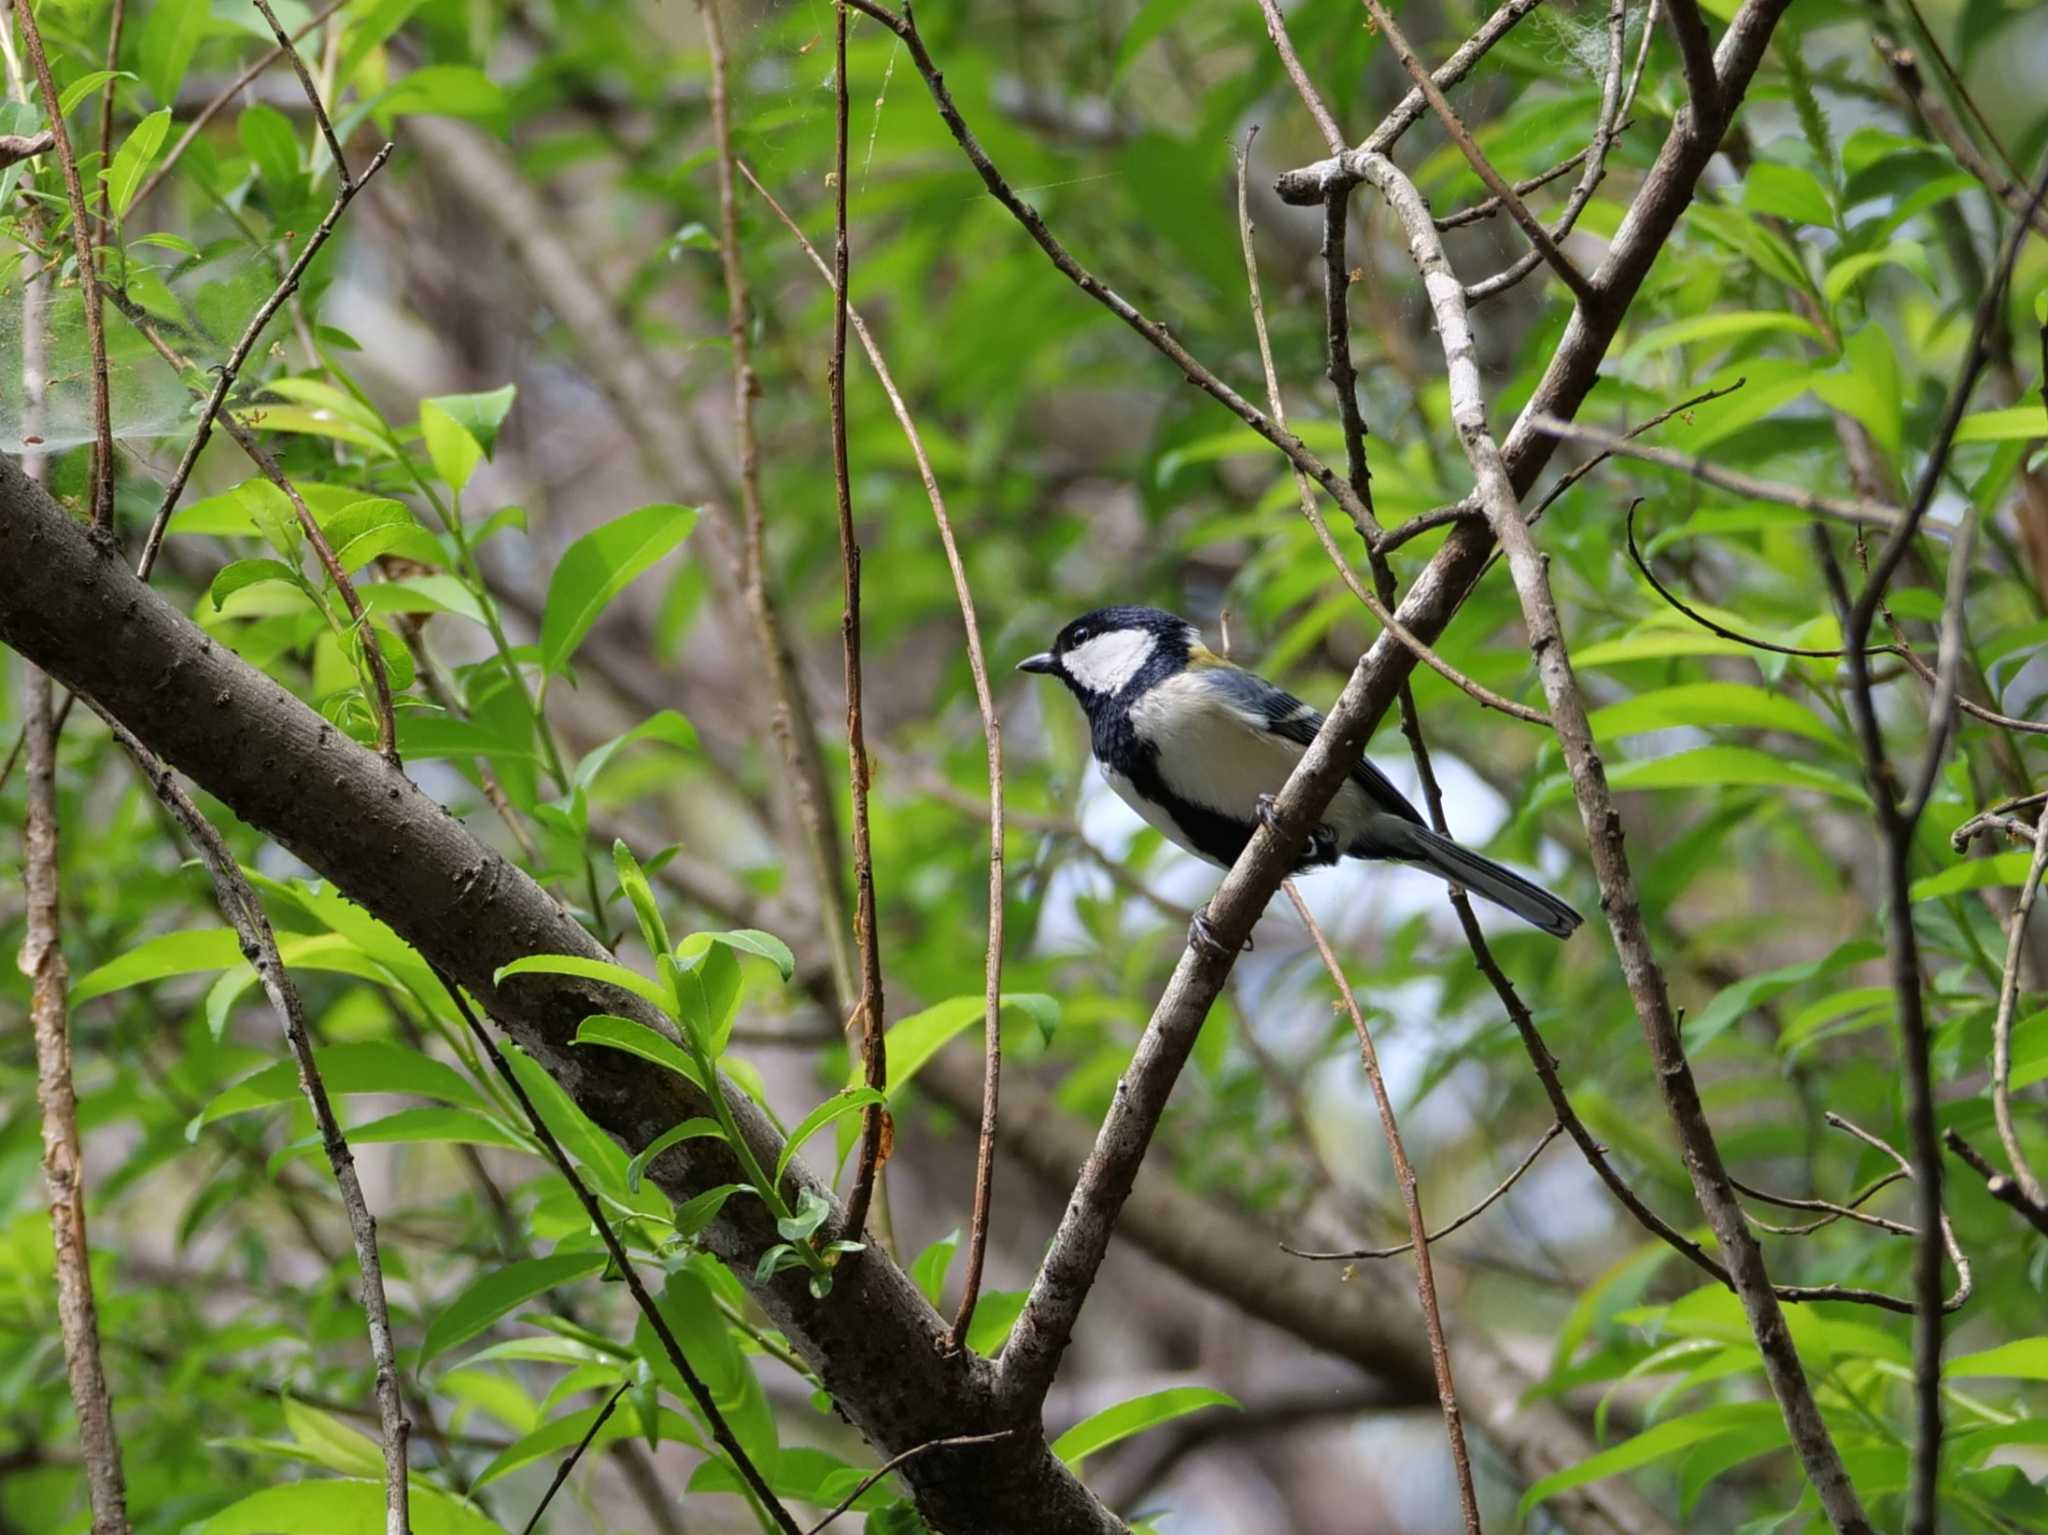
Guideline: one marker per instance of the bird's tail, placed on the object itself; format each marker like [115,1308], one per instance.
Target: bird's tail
[1422,847]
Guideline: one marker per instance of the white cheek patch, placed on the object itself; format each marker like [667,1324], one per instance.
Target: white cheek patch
[1105,663]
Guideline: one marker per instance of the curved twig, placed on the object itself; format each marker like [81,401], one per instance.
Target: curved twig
[1556,1129]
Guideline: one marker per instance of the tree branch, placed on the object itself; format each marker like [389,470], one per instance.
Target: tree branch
[874,1342]
[42,961]
[873,1047]
[1619,898]
[1582,289]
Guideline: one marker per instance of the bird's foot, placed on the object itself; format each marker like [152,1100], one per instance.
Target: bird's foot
[1322,839]
[1203,936]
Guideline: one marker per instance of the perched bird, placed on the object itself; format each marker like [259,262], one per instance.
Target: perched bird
[1198,747]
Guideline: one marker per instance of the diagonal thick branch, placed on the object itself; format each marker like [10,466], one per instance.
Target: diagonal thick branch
[72,608]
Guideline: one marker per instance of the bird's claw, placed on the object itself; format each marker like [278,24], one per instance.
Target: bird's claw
[1203,936]
[1322,838]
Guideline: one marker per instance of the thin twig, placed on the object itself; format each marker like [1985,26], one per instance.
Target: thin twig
[88,276]
[1311,511]
[243,910]
[1999,1186]
[116,23]
[569,1461]
[1896,823]
[1696,54]
[977,664]
[1620,900]
[1556,1129]
[1898,648]
[42,961]
[1947,1235]
[312,91]
[1830,1211]
[1855,512]
[1312,183]
[721,1431]
[2001,1028]
[889,1465]
[221,98]
[873,1046]
[1404,1174]
[2009,190]
[1581,286]
[1487,209]
[224,379]
[1614,105]
[795,734]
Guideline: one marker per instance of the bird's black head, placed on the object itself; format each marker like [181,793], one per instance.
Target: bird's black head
[1120,651]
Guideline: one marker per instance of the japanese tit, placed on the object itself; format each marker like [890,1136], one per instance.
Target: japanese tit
[1195,744]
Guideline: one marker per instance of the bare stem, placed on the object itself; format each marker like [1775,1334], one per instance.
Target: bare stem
[42,961]
[1411,1198]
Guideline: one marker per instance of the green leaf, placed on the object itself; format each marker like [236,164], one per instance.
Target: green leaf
[371,27]
[751,940]
[695,1213]
[633,881]
[1701,704]
[929,1268]
[342,1507]
[1718,327]
[666,726]
[169,39]
[361,531]
[1733,1002]
[498,1291]
[445,90]
[2022,1359]
[449,444]
[1652,1445]
[331,1442]
[438,1126]
[707,986]
[995,1313]
[2020,423]
[1845,274]
[603,1163]
[1100,1430]
[85,85]
[480,415]
[566,1432]
[607,971]
[268,137]
[688,1130]
[361,1066]
[134,158]
[240,573]
[1974,874]
[600,565]
[845,1101]
[185,953]
[1788,192]
[637,1039]
[1716,767]
[423,594]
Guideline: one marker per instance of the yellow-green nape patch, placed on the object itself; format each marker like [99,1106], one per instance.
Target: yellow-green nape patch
[1201,655]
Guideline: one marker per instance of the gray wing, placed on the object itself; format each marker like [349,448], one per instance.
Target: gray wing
[1286,716]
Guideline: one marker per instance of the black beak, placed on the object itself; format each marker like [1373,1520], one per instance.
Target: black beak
[1044,662]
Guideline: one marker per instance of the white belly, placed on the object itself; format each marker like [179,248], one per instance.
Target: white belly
[1212,756]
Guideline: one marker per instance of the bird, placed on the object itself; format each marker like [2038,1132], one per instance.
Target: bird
[1199,747]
